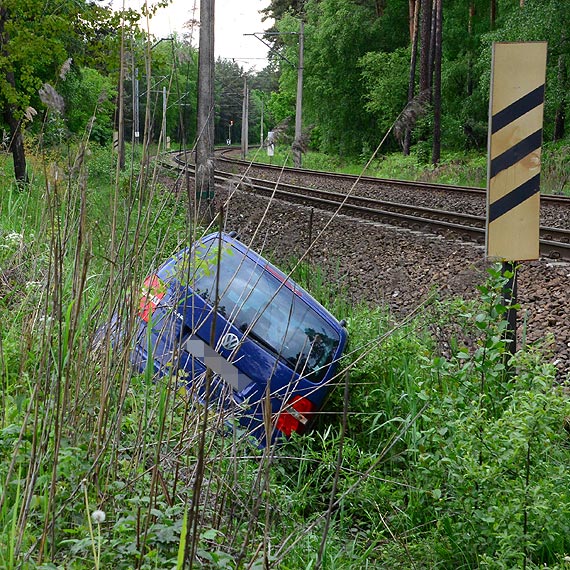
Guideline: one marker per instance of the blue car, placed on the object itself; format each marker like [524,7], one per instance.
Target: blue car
[241,336]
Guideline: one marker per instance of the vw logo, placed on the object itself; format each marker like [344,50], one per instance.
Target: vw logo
[230,341]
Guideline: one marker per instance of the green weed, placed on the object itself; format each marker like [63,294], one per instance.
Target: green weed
[457,169]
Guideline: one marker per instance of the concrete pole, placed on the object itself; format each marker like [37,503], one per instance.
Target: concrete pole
[297,154]
[119,133]
[261,124]
[245,120]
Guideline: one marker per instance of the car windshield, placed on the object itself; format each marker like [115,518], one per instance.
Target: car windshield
[261,306]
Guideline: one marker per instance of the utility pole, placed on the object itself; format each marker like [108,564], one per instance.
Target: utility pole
[245,120]
[136,111]
[119,132]
[297,146]
[205,116]
[261,122]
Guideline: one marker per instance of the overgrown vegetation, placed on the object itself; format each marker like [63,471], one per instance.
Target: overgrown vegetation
[464,169]
[422,459]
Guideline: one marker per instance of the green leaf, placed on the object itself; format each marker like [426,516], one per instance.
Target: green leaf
[182,544]
[210,534]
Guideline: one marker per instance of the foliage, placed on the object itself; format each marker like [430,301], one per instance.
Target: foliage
[229,81]
[386,98]
[539,21]
[170,66]
[338,33]
[490,428]
[90,100]
[356,70]
[38,41]
[347,104]
[555,168]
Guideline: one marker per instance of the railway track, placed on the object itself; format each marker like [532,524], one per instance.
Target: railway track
[554,241]
[227,157]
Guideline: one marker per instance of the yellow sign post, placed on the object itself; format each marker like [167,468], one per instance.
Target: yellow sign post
[515,137]
[513,173]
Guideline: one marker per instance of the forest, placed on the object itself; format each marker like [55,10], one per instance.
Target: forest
[439,446]
[365,63]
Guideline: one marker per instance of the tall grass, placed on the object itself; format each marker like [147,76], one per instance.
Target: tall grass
[414,462]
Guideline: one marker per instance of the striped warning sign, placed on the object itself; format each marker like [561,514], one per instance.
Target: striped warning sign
[515,138]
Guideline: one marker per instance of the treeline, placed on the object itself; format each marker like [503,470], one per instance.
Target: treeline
[366,60]
[74,69]
[78,69]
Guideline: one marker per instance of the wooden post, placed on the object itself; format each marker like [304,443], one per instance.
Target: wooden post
[510,299]
[205,114]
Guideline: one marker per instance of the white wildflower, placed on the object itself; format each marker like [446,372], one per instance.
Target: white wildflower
[14,238]
[98,516]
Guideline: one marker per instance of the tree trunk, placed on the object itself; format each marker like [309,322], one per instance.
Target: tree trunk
[16,146]
[432,43]
[436,150]
[413,63]
[380,7]
[493,13]
[469,53]
[412,18]
[426,10]
[560,116]
[205,116]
